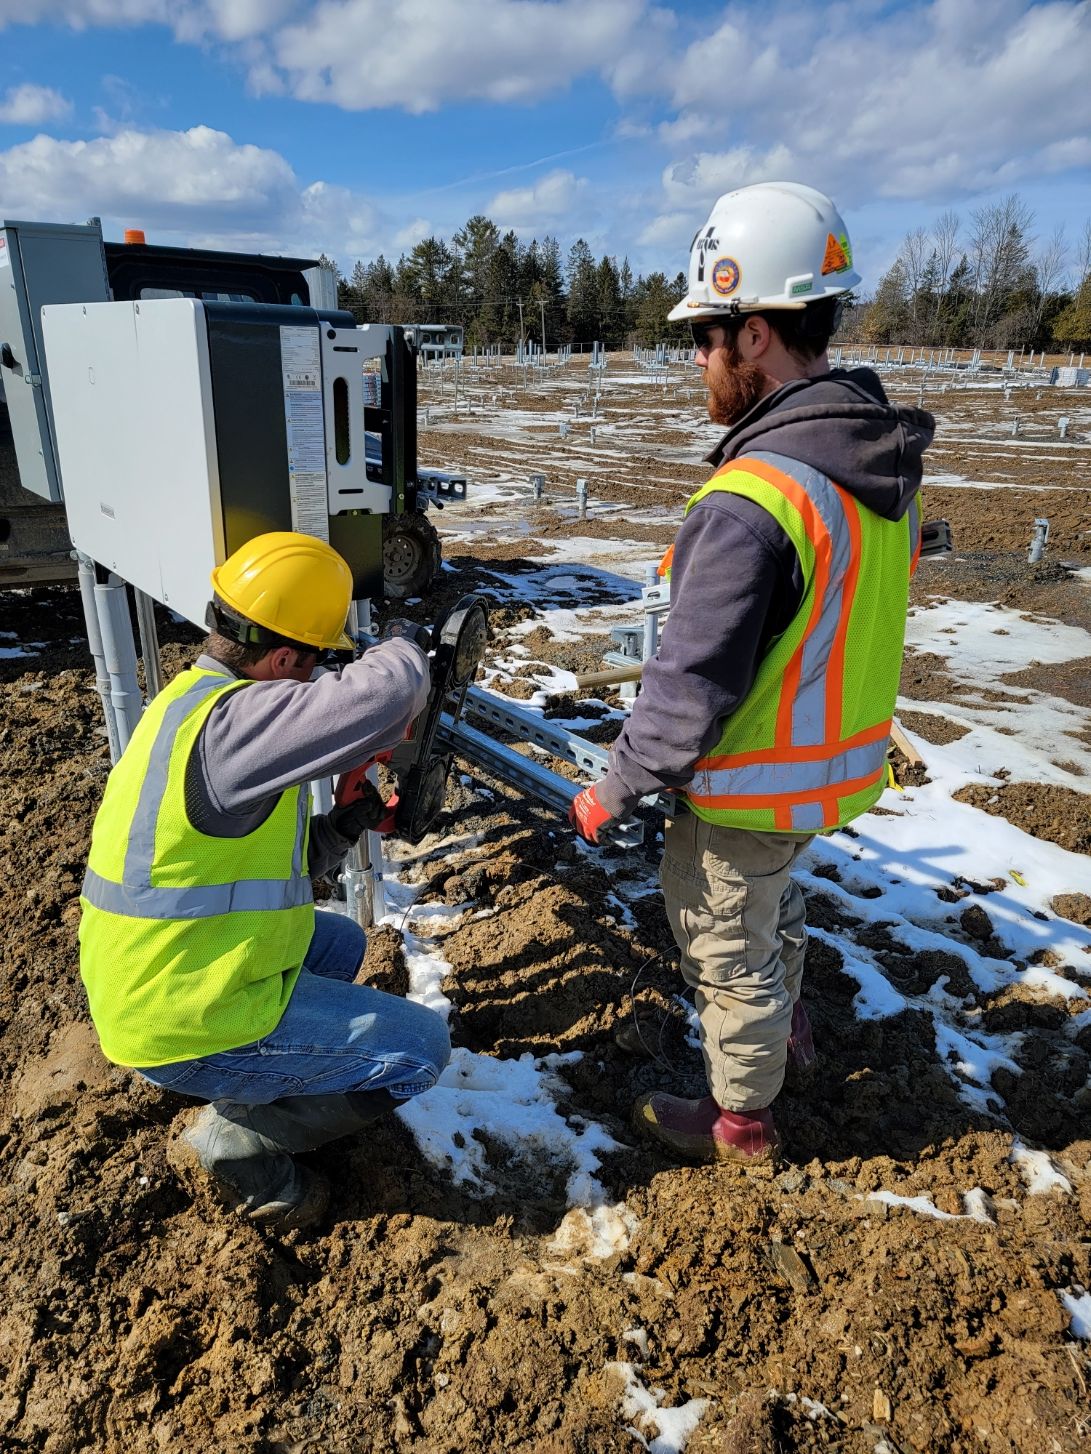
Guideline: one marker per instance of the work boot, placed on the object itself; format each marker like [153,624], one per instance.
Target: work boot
[801,1052]
[705,1131]
[243,1151]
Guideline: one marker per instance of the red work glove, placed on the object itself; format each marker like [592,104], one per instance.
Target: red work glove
[588,816]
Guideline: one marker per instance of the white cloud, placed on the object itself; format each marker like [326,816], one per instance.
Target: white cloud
[82,14]
[669,233]
[919,102]
[880,105]
[414,232]
[170,180]
[231,20]
[929,103]
[420,54]
[30,105]
[191,20]
[545,203]
[415,55]
[198,187]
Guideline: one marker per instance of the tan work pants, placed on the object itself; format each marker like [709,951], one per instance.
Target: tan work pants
[739,920]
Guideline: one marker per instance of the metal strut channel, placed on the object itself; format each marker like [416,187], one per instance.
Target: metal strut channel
[529,727]
[548,787]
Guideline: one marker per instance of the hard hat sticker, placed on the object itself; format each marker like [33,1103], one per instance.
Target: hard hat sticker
[834,260]
[725,276]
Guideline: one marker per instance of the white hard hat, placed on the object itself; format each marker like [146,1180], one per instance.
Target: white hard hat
[773,245]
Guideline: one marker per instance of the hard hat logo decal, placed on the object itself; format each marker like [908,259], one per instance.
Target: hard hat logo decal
[725,276]
[703,246]
[835,259]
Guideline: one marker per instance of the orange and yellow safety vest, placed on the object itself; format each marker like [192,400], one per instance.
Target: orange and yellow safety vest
[806,750]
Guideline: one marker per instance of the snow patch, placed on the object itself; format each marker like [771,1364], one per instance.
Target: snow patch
[1037,1170]
[660,1430]
[975,1201]
[1077,1303]
[480,1098]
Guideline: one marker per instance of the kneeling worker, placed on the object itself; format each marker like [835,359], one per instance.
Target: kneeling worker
[205,964]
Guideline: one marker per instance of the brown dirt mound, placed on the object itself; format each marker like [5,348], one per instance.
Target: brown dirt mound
[933,729]
[1057,814]
[422,1319]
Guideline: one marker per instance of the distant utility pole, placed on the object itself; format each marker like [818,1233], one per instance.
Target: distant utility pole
[541,305]
[522,335]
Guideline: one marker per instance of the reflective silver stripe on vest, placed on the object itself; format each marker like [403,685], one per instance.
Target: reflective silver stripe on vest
[140,849]
[144,901]
[762,778]
[809,706]
[137,897]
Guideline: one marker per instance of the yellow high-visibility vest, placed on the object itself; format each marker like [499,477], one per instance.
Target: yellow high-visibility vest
[806,750]
[189,944]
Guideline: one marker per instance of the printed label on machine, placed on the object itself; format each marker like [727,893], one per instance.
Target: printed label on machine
[5,256]
[301,370]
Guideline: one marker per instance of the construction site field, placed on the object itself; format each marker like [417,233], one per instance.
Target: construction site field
[507,1265]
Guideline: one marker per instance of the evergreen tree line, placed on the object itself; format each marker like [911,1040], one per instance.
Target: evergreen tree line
[501,289]
[985,282]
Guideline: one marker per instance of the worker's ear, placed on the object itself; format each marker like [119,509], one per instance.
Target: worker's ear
[753,338]
[281,664]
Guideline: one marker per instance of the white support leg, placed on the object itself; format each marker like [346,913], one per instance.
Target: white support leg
[119,651]
[86,570]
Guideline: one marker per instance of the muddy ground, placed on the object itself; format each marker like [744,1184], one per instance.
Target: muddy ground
[422,1318]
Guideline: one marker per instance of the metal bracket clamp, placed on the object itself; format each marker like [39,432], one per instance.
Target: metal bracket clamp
[936,538]
[439,488]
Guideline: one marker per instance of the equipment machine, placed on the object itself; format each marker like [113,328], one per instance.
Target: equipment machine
[46,264]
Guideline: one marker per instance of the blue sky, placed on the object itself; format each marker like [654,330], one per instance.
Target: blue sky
[358,126]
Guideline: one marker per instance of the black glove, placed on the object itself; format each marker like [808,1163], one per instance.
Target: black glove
[409,630]
[355,819]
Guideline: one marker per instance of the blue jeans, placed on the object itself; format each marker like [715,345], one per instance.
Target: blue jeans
[335,1037]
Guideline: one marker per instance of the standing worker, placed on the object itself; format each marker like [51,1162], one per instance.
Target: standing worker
[769,705]
[205,964]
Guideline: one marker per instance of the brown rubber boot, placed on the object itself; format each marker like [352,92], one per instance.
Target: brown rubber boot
[703,1131]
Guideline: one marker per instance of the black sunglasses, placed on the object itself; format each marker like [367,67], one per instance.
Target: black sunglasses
[701,332]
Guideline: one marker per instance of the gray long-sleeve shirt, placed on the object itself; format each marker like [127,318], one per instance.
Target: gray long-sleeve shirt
[272,736]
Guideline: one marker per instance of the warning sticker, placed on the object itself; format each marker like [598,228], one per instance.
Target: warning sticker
[725,276]
[834,260]
[5,256]
[301,373]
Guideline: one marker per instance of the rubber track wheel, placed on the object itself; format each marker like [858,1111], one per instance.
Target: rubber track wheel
[411,555]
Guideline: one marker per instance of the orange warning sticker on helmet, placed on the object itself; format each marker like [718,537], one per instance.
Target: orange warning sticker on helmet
[834,260]
[725,276]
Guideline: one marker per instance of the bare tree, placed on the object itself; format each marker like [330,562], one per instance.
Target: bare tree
[945,234]
[1083,261]
[1049,267]
[999,249]
[914,256]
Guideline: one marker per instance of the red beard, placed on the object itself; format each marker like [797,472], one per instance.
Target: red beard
[734,387]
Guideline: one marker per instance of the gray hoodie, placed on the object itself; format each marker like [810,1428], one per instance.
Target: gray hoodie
[736,581]
[272,736]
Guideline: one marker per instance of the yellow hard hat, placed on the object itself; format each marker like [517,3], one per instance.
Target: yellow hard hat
[293,585]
